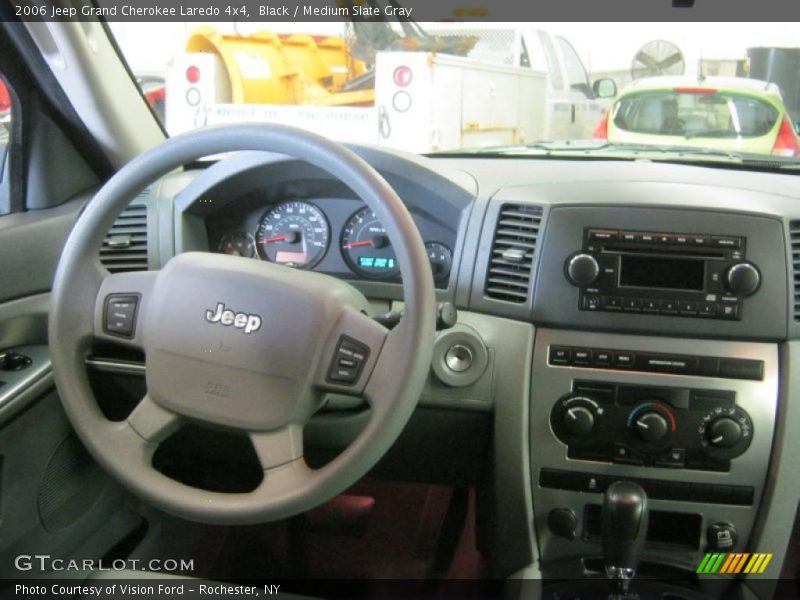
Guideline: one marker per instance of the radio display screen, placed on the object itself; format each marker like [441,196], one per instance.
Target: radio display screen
[665,273]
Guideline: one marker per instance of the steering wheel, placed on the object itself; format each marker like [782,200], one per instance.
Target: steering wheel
[239,344]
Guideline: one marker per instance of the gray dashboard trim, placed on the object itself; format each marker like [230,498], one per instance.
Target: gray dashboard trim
[773,529]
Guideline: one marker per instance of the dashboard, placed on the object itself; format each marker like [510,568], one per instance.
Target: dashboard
[616,320]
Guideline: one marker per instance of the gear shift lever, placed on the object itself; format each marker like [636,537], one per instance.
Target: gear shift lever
[624,528]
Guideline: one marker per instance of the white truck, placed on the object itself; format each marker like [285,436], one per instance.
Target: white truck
[515,86]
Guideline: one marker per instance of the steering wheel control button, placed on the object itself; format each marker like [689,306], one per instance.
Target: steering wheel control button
[458,358]
[348,361]
[120,315]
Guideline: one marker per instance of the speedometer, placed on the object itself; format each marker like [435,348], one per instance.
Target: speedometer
[366,246]
[293,233]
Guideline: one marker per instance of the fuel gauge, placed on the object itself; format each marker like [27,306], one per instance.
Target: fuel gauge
[441,259]
[238,243]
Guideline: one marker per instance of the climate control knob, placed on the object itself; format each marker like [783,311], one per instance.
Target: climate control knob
[582,269]
[651,426]
[724,432]
[742,279]
[578,420]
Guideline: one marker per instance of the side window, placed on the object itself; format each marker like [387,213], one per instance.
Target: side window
[576,72]
[5,145]
[553,69]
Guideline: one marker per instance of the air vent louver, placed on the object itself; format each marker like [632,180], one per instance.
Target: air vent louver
[513,248]
[125,246]
[794,235]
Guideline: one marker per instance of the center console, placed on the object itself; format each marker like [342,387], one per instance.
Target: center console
[654,363]
[691,421]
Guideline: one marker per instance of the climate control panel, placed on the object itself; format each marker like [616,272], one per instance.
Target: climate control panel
[663,427]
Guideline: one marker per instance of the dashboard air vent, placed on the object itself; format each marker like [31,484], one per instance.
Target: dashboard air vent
[794,235]
[513,248]
[125,246]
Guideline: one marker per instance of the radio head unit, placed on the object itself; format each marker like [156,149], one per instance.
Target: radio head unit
[672,274]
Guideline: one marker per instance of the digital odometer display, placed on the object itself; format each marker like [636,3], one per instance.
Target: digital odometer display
[375,262]
[664,273]
[293,233]
[366,246]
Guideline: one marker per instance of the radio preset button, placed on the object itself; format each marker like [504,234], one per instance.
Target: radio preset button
[602,235]
[629,236]
[698,240]
[632,305]
[669,307]
[707,309]
[611,303]
[650,306]
[687,308]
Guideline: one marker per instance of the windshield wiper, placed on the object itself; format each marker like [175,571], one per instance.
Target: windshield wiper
[590,148]
[672,150]
[632,151]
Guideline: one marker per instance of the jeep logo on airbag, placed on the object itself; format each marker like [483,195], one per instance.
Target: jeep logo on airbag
[249,323]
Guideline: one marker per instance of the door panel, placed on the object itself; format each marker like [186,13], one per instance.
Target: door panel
[54,499]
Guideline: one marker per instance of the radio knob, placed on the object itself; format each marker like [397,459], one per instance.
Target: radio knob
[724,432]
[651,426]
[578,420]
[582,269]
[742,279]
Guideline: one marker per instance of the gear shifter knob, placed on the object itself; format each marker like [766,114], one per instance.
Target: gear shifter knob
[624,528]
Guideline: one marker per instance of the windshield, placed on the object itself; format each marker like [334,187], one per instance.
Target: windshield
[727,88]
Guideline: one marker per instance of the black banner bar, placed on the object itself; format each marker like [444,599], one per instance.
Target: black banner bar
[245,11]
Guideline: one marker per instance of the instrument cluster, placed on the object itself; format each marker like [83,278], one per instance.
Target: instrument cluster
[337,236]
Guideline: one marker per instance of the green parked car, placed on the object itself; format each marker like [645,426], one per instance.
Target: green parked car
[719,113]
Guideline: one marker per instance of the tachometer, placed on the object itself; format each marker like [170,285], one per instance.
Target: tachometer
[238,243]
[293,233]
[366,247]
